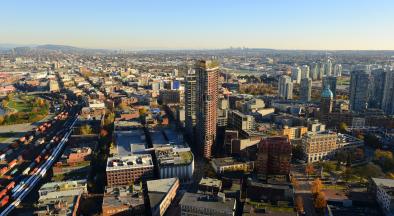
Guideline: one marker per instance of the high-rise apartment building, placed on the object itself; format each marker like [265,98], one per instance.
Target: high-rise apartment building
[321,71]
[378,77]
[314,71]
[326,102]
[359,90]
[190,104]
[306,89]
[331,83]
[273,156]
[388,94]
[305,71]
[285,87]
[207,98]
[296,74]
[337,70]
[328,68]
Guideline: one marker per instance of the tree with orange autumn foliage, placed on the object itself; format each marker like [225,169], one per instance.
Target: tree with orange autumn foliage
[299,204]
[320,201]
[309,169]
[295,183]
[103,133]
[317,186]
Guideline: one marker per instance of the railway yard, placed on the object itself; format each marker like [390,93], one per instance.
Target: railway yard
[27,160]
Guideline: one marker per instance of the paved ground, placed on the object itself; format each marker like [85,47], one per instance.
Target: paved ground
[17,130]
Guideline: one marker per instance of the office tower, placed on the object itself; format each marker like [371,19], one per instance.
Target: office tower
[273,156]
[190,104]
[378,78]
[314,71]
[331,82]
[285,87]
[338,70]
[359,90]
[388,94]
[321,71]
[328,68]
[296,75]
[207,99]
[305,71]
[326,102]
[306,89]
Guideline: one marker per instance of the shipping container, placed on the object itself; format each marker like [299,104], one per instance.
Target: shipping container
[10,185]
[12,163]
[33,171]
[3,170]
[38,159]
[4,201]
[3,192]
[26,171]
[14,171]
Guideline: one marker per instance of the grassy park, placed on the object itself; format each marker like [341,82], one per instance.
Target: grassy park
[22,108]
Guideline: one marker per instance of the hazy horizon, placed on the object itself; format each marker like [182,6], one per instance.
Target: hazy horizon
[203,25]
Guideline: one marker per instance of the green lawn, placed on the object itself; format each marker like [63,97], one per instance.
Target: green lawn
[269,206]
[20,105]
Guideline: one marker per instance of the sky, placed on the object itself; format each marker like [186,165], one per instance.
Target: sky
[200,24]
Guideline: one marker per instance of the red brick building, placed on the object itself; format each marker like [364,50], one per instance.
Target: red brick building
[207,99]
[273,156]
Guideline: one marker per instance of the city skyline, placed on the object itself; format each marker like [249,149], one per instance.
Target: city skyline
[305,25]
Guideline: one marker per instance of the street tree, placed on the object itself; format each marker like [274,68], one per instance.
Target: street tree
[309,169]
[316,186]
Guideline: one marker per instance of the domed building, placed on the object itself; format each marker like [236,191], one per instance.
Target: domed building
[327,98]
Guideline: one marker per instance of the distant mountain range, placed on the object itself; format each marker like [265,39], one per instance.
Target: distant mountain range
[48,49]
[31,49]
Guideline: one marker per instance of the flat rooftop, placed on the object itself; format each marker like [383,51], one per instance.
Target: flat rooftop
[173,156]
[123,196]
[226,161]
[211,182]
[129,162]
[53,190]
[130,142]
[207,202]
[158,189]
[384,182]
[157,138]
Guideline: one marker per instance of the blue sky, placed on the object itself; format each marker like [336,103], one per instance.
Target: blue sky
[183,24]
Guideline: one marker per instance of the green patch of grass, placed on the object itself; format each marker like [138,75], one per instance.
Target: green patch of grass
[20,105]
[336,187]
[58,177]
[270,207]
